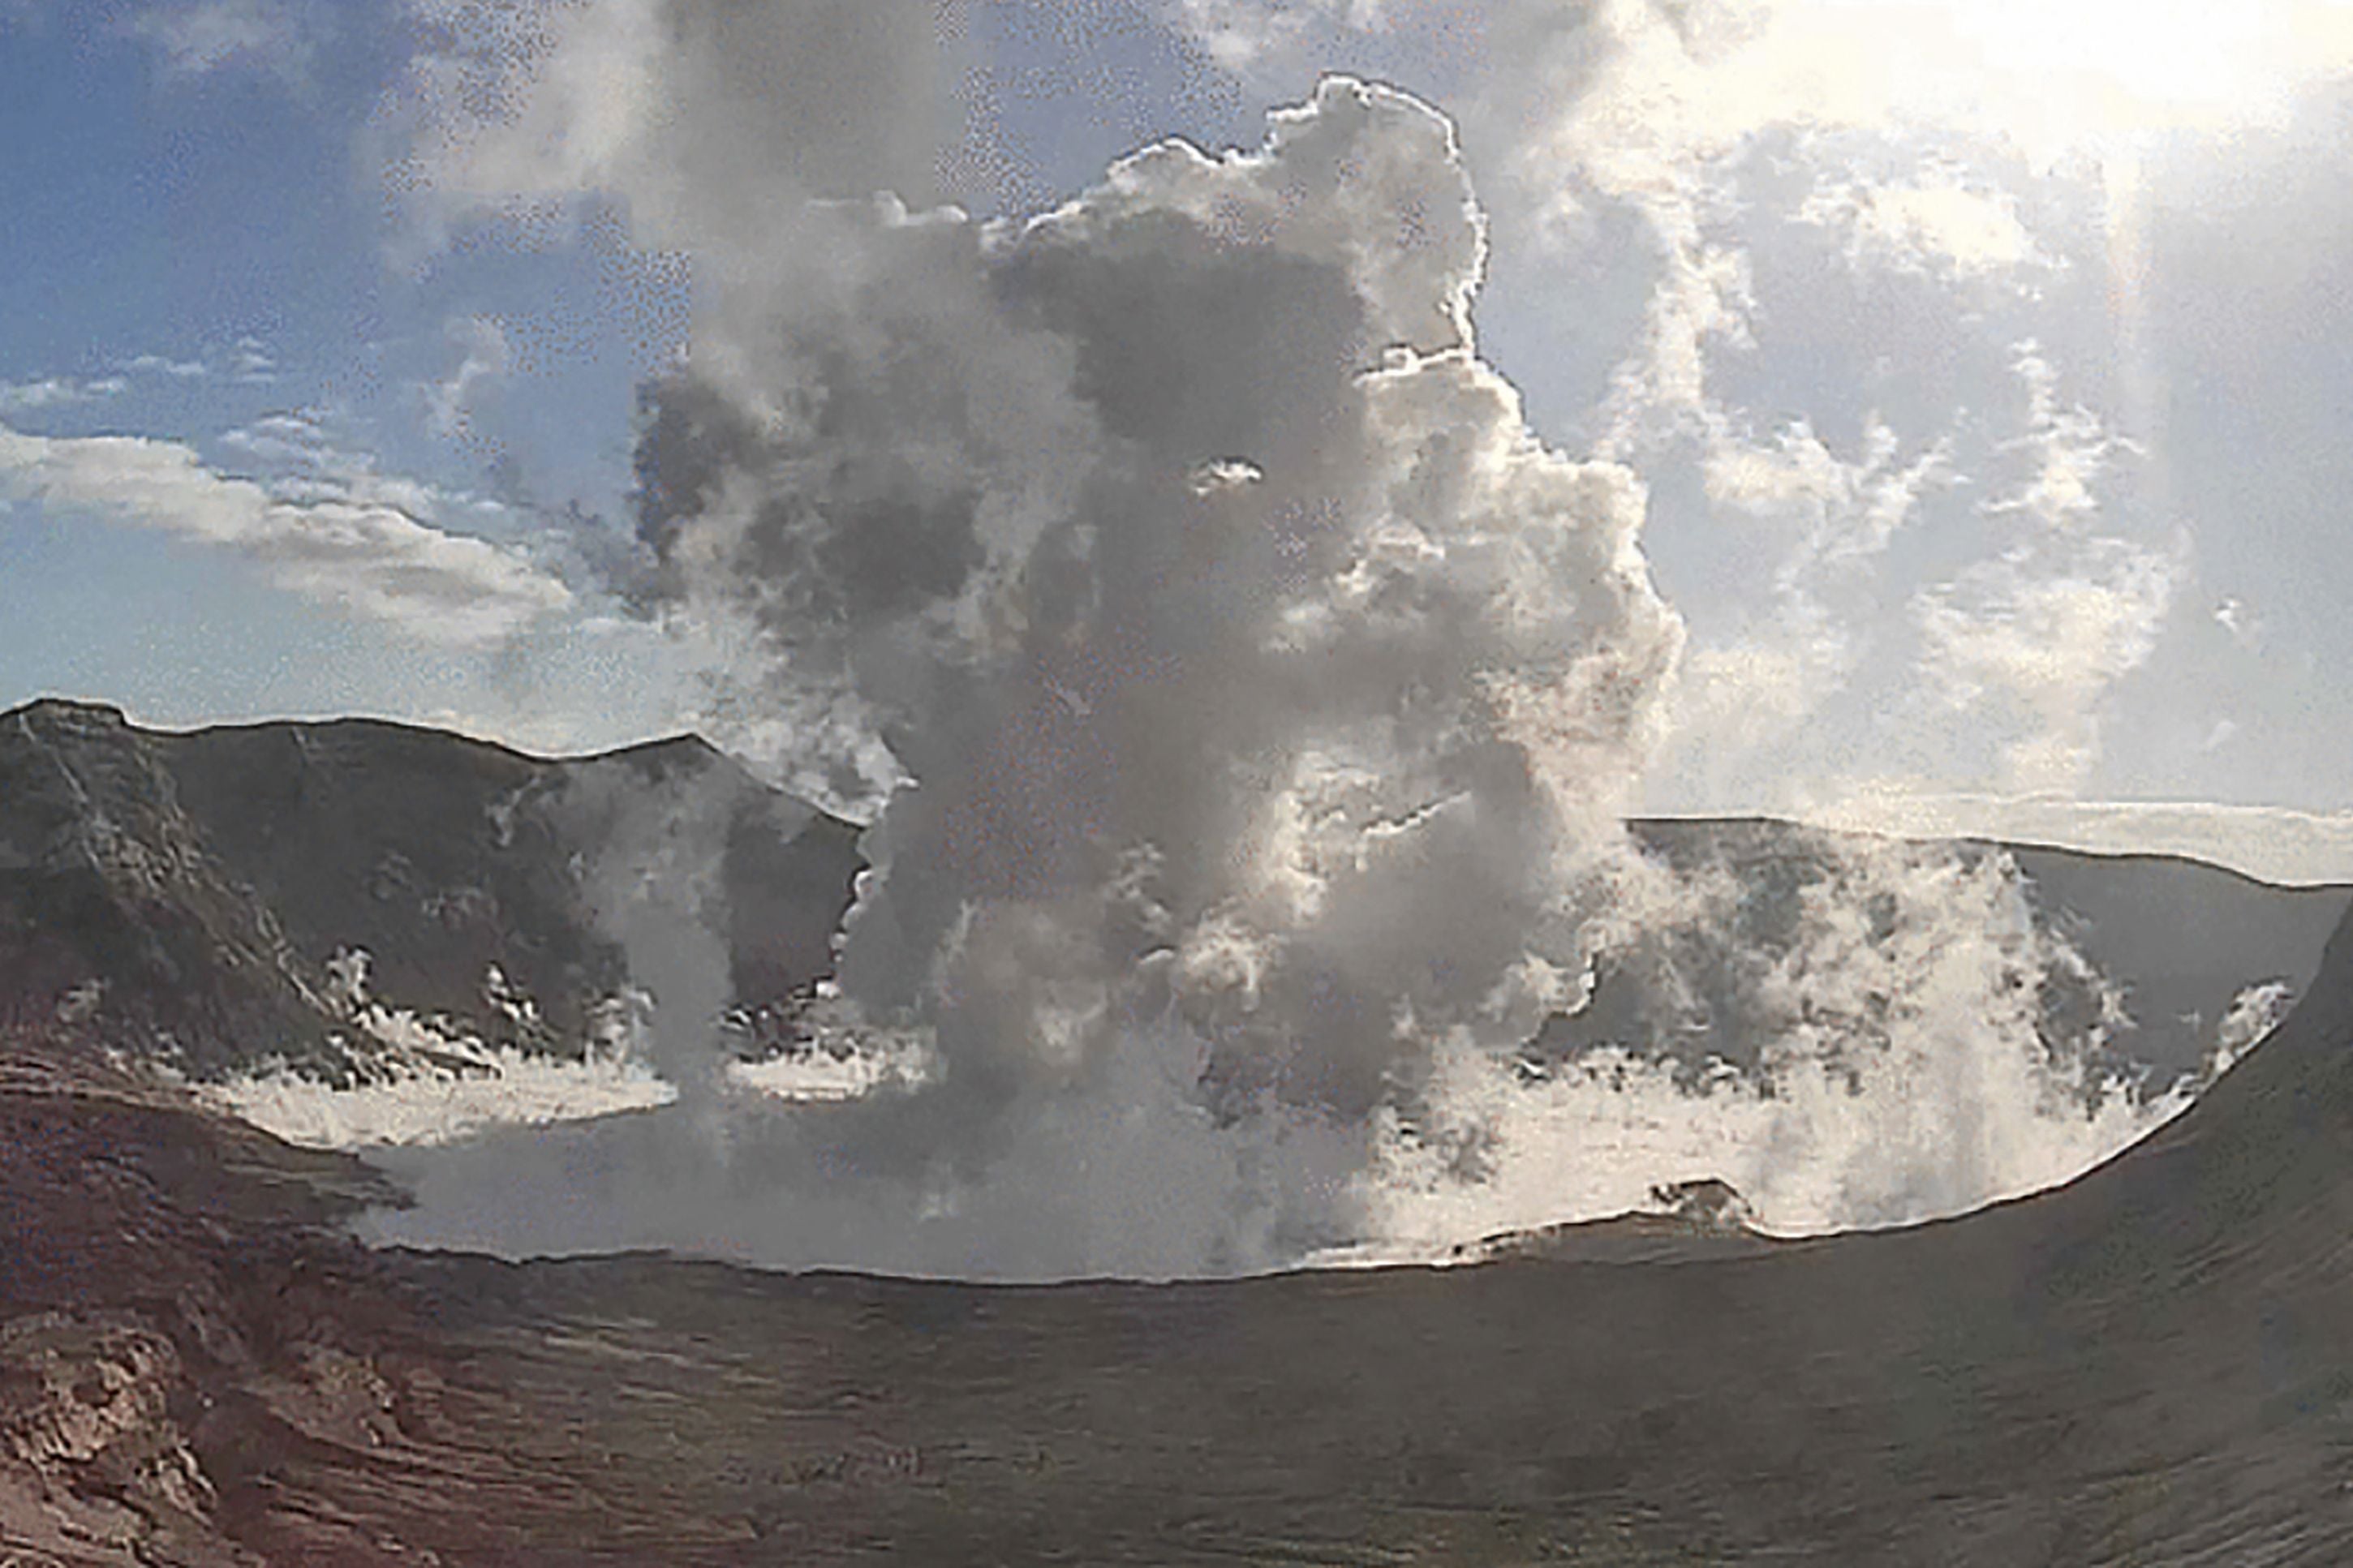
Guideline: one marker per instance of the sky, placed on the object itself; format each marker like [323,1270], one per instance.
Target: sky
[1979,365]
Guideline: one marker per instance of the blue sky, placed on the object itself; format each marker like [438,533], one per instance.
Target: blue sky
[216,243]
[1991,422]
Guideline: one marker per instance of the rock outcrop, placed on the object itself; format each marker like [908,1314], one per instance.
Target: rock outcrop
[211,900]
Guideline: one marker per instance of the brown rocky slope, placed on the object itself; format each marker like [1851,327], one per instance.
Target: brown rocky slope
[2152,1365]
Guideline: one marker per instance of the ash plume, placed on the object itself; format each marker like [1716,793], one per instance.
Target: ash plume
[1243,694]
[1244,704]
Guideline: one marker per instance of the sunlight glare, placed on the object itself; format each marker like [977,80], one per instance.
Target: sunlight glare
[2132,65]
[2056,75]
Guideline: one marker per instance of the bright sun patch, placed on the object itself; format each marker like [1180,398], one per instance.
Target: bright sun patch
[2130,66]
[2051,75]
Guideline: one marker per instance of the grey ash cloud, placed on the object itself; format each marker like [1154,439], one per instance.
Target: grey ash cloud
[1206,801]
[1242,699]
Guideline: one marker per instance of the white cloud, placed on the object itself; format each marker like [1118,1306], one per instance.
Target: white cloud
[2035,654]
[296,456]
[66,391]
[2070,448]
[1244,34]
[56,391]
[161,365]
[709,125]
[1697,76]
[1843,512]
[2052,608]
[200,37]
[1652,106]
[1940,223]
[252,362]
[1730,699]
[1704,299]
[480,344]
[2031,640]
[1916,138]
[352,538]
[1832,519]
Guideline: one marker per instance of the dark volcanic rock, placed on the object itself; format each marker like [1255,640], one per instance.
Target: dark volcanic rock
[183,895]
[116,915]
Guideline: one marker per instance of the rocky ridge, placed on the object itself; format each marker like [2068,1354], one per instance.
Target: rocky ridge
[230,897]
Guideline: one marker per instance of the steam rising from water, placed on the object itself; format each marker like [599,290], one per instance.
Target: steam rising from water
[1249,696]
[1912,1062]
[1246,701]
